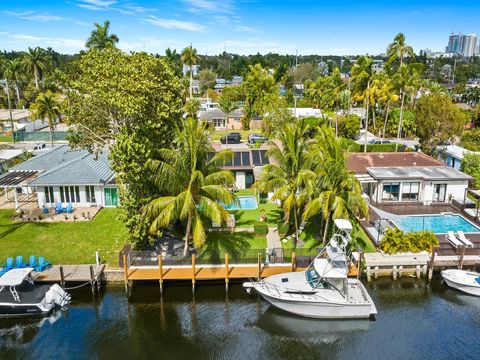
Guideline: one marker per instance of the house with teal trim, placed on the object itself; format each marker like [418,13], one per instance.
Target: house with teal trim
[63,175]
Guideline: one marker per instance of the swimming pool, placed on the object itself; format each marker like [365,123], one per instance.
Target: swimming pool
[244,203]
[439,224]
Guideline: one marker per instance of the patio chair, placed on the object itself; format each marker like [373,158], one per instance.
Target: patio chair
[69,208]
[58,208]
[42,264]
[452,239]
[461,236]
[7,266]
[33,261]
[19,262]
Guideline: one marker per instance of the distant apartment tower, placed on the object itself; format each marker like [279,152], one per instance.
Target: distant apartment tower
[465,45]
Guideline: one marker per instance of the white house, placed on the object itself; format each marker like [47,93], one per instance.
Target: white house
[407,177]
[63,175]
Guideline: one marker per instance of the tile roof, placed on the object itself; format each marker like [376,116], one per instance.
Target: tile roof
[360,162]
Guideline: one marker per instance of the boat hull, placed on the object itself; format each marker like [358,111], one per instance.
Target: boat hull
[467,288]
[7,310]
[321,310]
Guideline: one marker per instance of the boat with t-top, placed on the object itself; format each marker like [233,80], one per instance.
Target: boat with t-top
[324,289]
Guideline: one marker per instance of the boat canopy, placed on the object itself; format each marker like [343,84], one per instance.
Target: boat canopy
[325,269]
[343,224]
[15,277]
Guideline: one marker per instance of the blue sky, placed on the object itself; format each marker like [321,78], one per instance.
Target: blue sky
[242,26]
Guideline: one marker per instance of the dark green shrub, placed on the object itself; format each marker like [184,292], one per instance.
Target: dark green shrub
[283,228]
[260,228]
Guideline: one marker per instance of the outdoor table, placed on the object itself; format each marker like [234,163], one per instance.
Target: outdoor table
[13,278]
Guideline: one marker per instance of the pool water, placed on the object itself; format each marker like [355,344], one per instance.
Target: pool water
[439,224]
[244,203]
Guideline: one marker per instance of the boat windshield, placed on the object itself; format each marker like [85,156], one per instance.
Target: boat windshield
[315,280]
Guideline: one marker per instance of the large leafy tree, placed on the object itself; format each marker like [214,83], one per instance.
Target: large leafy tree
[191,183]
[100,38]
[132,103]
[285,176]
[47,107]
[35,61]
[471,166]
[259,87]
[334,190]
[190,58]
[438,120]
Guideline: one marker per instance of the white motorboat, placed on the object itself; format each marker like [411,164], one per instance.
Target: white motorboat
[465,281]
[323,290]
[23,297]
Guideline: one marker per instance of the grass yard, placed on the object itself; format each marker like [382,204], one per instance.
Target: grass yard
[247,218]
[64,243]
[217,134]
[6,138]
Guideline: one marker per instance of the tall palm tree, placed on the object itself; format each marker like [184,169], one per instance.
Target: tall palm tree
[362,76]
[399,49]
[35,61]
[407,79]
[284,177]
[190,58]
[335,191]
[47,106]
[192,184]
[100,37]
[387,95]
[12,69]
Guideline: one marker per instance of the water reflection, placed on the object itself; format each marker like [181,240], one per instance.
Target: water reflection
[278,322]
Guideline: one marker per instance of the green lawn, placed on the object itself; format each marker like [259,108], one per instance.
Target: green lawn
[217,134]
[64,243]
[6,138]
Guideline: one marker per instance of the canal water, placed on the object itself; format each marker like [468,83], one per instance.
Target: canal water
[416,320]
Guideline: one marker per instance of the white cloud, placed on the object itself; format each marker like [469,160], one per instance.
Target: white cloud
[31,15]
[62,44]
[214,6]
[96,4]
[174,24]
[139,9]
[90,7]
[18,13]
[244,28]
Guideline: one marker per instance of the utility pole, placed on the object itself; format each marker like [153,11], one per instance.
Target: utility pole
[5,85]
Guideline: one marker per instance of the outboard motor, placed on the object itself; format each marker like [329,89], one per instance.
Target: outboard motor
[57,296]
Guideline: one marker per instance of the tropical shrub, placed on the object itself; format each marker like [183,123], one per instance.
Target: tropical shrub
[260,228]
[471,166]
[349,126]
[471,139]
[396,241]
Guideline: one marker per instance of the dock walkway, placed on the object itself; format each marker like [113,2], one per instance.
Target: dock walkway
[70,273]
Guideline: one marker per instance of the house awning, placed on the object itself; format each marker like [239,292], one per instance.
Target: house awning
[365,178]
[17,178]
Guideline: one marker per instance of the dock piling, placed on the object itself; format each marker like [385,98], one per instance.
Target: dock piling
[193,273]
[160,273]
[92,279]
[462,257]
[125,274]
[432,260]
[226,272]
[259,265]
[62,277]
[294,261]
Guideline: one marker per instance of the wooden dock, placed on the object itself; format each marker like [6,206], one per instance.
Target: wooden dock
[62,274]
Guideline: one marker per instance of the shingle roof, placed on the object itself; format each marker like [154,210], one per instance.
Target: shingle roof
[86,169]
[359,162]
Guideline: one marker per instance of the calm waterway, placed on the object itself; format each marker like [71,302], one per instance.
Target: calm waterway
[416,320]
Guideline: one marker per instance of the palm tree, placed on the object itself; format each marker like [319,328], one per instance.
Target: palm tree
[406,79]
[46,107]
[398,50]
[335,191]
[12,69]
[190,58]
[100,38]
[284,177]
[387,96]
[35,60]
[362,75]
[192,184]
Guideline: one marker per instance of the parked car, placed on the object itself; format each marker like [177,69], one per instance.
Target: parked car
[39,146]
[231,138]
[257,138]
[377,142]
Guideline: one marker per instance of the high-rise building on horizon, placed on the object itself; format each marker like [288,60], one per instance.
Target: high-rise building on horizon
[465,45]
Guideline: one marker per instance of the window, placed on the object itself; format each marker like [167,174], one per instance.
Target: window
[70,194]
[391,191]
[439,191]
[49,195]
[237,119]
[218,122]
[90,192]
[410,190]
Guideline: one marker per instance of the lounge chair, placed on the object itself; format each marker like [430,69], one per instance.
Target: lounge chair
[42,264]
[19,262]
[58,208]
[7,266]
[461,236]
[452,239]
[33,261]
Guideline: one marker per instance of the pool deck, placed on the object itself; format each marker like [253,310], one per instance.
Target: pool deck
[445,248]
